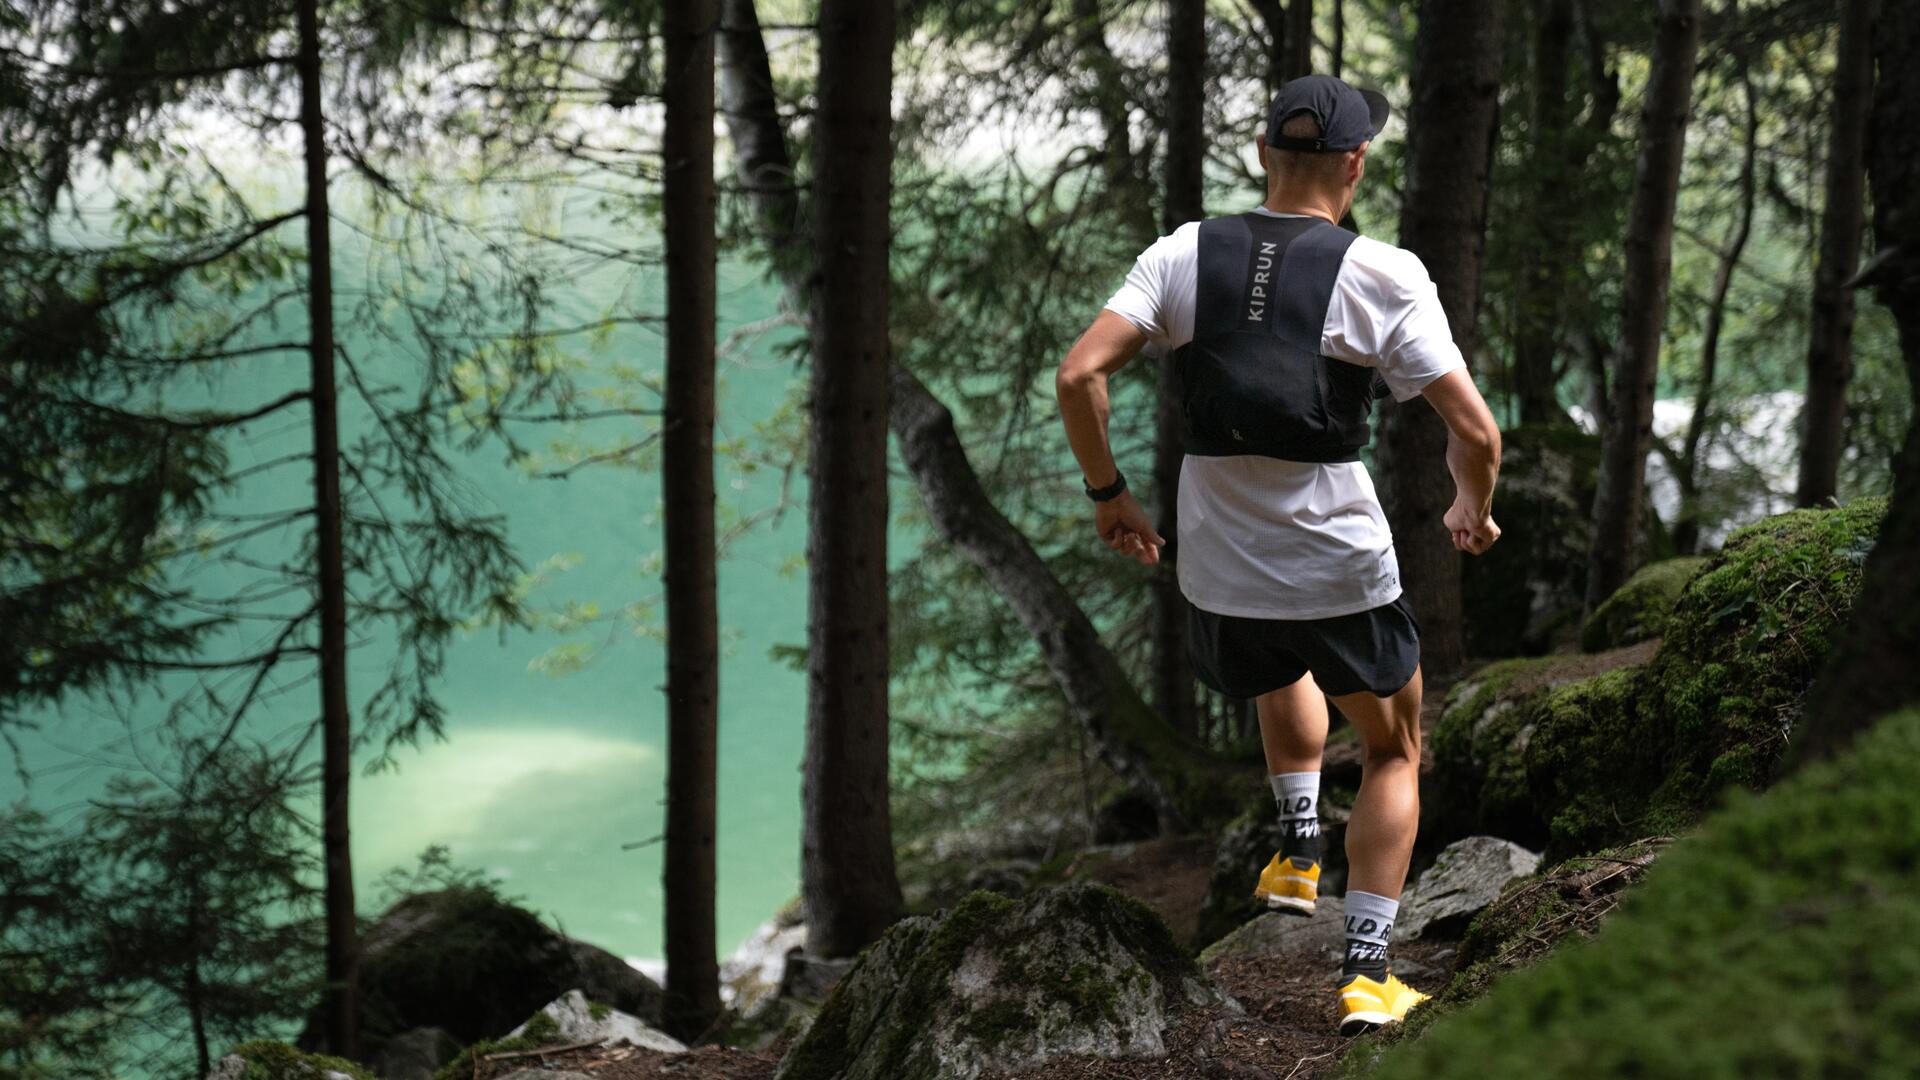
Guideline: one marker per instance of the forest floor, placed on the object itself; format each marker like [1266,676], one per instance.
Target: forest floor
[1288,1030]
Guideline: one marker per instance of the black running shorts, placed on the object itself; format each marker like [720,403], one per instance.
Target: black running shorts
[1374,650]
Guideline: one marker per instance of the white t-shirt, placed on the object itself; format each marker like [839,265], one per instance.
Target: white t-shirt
[1271,539]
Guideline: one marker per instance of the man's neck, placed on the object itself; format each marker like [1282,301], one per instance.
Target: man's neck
[1307,205]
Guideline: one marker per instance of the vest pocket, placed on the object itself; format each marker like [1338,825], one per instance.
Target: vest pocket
[1254,394]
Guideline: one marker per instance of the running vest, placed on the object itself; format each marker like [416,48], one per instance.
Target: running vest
[1252,380]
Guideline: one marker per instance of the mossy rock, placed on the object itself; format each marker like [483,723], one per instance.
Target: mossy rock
[1781,939]
[1478,785]
[540,1030]
[1641,751]
[1638,610]
[999,984]
[467,961]
[264,1059]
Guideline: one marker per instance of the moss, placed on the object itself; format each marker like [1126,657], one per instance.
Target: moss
[541,1030]
[920,958]
[1646,750]
[598,1010]
[268,1060]
[1781,939]
[1638,610]
[1479,775]
[1594,758]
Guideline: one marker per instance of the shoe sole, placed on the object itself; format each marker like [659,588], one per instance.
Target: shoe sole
[1362,1022]
[1287,905]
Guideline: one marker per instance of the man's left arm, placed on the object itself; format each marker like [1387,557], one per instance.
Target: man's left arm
[1081,386]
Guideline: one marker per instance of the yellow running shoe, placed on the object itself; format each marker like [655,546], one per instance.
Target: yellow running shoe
[1289,884]
[1366,1004]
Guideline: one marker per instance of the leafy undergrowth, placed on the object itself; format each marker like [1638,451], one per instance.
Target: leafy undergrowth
[1781,939]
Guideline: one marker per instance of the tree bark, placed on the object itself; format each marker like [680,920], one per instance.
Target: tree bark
[1173,686]
[1299,40]
[1621,491]
[1171,771]
[1872,668]
[1176,776]
[342,959]
[1830,345]
[1542,282]
[848,879]
[1273,17]
[1686,528]
[686,480]
[1450,133]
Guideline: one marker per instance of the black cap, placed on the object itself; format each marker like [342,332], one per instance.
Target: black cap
[1348,117]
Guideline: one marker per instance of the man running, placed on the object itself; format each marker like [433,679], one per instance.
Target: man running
[1285,327]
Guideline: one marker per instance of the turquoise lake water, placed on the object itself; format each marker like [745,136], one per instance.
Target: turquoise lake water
[543,777]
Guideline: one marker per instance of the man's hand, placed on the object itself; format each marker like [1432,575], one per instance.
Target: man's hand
[1123,525]
[1473,530]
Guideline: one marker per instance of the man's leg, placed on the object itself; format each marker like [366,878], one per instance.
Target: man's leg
[1293,727]
[1386,814]
[1380,833]
[1293,732]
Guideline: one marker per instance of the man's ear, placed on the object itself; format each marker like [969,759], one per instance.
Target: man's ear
[1260,150]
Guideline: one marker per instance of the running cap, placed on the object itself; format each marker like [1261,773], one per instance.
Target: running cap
[1348,117]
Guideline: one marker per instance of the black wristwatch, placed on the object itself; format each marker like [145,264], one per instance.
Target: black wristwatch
[1110,491]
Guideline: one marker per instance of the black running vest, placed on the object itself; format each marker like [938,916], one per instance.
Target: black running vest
[1252,380]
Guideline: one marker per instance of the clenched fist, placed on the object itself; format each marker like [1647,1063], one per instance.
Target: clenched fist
[1124,527]
[1473,529]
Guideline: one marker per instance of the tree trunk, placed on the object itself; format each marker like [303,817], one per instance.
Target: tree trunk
[1299,40]
[686,481]
[1686,529]
[1273,18]
[1125,731]
[1542,282]
[1339,38]
[1621,490]
[1872,668]
[342,961]
[848,879]
[1173,686]
[1830,345]
[1450,136]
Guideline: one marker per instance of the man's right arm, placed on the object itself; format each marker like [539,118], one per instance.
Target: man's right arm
[1473,456]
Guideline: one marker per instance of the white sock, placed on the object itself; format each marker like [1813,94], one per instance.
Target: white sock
[1369,920]
[1297,794]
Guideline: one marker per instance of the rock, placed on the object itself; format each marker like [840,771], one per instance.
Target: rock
[811,978]
[752,974]
[1008,877]
[266,1060]
[414,1055]
[546,1074]
[465,960]
[1124,817]
[1325,932]
[1466,877]
[579,1020]
[772,1019]
[999,984]
[1638,610]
